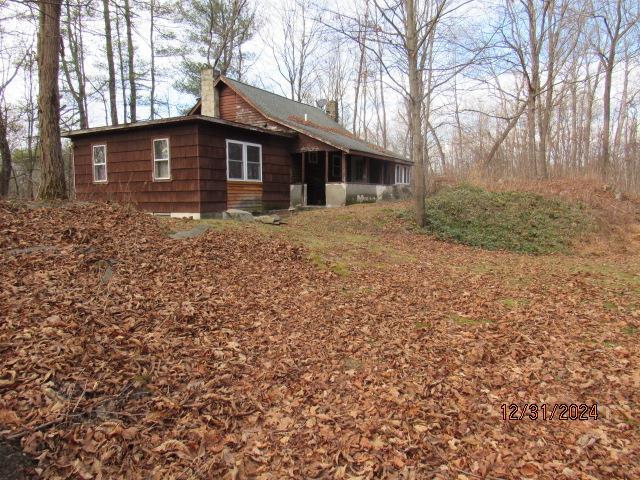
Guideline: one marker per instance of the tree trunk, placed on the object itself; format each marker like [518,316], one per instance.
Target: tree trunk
[383,105]
[130,62]
[123,82]
[152,93]
[415,119]
[73,29]
[113,105]
[358,85]
[573,135]
[52,181]
[5,152]
[531,130]
[503,136]
[606,120]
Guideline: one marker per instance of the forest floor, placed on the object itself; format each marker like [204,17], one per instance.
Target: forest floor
[345,344]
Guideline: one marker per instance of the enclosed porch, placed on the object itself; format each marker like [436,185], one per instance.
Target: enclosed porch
[335,178]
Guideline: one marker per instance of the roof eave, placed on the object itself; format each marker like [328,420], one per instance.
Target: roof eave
[381,156]
[171,121]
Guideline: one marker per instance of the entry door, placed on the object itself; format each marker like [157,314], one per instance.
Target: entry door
[315,178]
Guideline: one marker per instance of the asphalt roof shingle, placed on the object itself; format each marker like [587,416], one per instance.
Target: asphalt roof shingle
[316,124]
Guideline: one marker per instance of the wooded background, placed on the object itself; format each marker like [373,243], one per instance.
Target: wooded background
[524,88]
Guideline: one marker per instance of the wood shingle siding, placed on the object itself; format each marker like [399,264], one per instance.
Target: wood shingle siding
[198,160]
[130,169]
[235,109]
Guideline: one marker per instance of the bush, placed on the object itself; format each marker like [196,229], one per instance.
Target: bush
[516,221]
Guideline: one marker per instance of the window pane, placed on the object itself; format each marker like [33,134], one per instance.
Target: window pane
[100,173]
[253,171]
[253,154]
[234,151]
[235,169]
[161,149]
[162,169]
[98,155]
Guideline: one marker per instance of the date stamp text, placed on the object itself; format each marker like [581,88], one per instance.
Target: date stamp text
[543,411]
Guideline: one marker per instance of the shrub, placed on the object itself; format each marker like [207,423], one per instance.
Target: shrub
[516,221]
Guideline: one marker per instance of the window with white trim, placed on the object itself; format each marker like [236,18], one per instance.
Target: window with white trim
[161,159]
[244,161]
[99,161]
[402,175]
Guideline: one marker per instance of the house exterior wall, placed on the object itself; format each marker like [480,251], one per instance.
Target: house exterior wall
[244,195]
[235,109]
[130,169]
[218,194]
[198,184]
[308,144]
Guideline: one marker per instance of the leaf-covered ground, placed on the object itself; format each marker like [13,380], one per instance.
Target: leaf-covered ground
[341,345]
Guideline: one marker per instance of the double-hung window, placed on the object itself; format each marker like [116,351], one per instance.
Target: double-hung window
[244,161]
[161,159]
[99,161]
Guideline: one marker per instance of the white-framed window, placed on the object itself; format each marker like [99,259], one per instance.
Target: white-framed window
[403,175]
[99,161]
[244,161]
[161,159]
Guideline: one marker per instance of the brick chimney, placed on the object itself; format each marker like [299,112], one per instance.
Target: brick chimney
[209,97]
[332,109]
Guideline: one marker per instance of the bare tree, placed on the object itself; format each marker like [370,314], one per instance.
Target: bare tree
[29,109]
[73,67]
[615,19]
[122,67]
[214,33]
[11,62]
[131,64]
[405,29]
[52,178]
[332,74]
[113,106]
[295,53]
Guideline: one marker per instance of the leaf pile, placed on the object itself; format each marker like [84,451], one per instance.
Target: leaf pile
[232,355]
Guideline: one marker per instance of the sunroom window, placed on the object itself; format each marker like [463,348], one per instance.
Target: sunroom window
[402,175]
[244,161]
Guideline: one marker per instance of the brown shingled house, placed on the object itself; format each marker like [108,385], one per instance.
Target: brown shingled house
[238,147]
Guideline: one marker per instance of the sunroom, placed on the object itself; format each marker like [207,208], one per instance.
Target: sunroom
[336,178]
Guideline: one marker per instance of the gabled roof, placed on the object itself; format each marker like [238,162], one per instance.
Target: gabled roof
[317,124]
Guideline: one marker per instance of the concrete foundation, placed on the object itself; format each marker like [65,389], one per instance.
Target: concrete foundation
[336,194]
[298,194]
[340,194]
[195,216]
